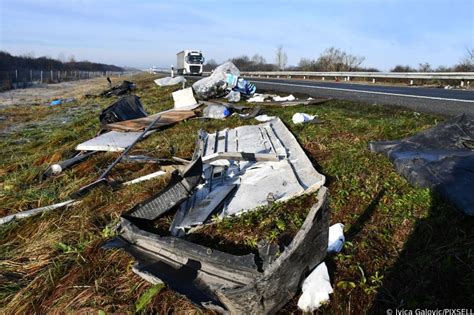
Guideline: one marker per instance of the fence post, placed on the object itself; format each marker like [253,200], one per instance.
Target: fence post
[59,75]
[31,75]
[41,76]
[52,76]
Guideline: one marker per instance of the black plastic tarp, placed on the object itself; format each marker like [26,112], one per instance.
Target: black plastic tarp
[121,89]
[126,108]
[441,158]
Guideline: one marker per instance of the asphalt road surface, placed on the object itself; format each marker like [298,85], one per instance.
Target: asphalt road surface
[431,100]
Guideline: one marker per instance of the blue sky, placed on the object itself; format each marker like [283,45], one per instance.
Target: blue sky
[144,33]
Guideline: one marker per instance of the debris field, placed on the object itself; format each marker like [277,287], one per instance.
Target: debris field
[164,197]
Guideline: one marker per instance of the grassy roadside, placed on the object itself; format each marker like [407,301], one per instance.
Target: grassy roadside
[404,245]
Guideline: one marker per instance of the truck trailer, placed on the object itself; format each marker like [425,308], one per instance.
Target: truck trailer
[189,62]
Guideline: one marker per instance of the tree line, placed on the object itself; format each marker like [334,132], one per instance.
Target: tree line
[9,62]
[334,59]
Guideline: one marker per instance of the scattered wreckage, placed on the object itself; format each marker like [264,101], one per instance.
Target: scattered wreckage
[232,171]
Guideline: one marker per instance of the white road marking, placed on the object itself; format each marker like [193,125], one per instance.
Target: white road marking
[368,92]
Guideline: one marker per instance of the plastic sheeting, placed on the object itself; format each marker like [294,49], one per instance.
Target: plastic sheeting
[122,88]
[126,108]
[216,84]
[440,158]
[168,81]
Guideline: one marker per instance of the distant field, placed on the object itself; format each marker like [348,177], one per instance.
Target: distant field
[405,248]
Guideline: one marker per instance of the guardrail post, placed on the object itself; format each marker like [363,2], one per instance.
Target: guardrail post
[411,82]
[468,83]
[31,75]
[41,76]
[323,78]
[267,75]
[462,83]
[348,78]
[278,76]
[52,76]
[373,80]
[304,77]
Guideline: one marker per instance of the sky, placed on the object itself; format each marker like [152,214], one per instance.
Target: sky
[142,33]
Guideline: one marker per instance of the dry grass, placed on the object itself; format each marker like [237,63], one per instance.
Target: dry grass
[405,247]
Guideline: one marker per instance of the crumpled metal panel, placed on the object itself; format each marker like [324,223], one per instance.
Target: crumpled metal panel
[208,276]
[293,175]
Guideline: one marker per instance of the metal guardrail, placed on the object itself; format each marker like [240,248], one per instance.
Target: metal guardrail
[370,75]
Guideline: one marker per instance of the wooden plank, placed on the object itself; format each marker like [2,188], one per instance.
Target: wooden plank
[168,118]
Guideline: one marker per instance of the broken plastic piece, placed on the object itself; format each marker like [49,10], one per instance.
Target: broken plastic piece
[316,289]
[112,141]
[216,111]
[168,81]
[234,282]
[144,178]
[57,168]
[199,213]
[336,238]
[233,96]
[285,98]
[176,192]
[184,99]
[32,212]
[300,118]
[264,118]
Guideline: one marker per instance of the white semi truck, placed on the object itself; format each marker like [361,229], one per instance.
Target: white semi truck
[189,62]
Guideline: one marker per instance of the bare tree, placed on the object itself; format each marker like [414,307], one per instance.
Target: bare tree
[467,62]
[210,65]
[401,68]
[335,59]
[281,59]
[258,59]
[424,67]
[306,64]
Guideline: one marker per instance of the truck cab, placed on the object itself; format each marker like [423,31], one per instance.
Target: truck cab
[189,62]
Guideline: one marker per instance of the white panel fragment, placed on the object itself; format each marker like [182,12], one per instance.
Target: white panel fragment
[336,238]
[113,141]
[184,99]
[316,289]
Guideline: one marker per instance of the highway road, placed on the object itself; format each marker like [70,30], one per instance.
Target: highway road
[432,100]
